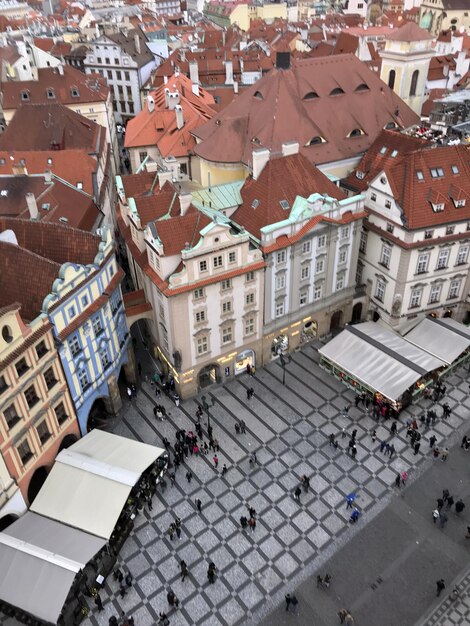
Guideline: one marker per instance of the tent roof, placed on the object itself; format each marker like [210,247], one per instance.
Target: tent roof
[42,557]
[378,357]
[445,338]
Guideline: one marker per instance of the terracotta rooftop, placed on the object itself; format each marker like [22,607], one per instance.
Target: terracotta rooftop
[334,106]
[73,87]
[445,171]
[176,232]
[282,179]
[51,127]
[141,184]
[386,148]
[410,32]
[439,66]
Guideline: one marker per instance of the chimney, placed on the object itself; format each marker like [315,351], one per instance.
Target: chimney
[228,72]
[185,202]
[137,43]
[260,158]
[195,89]
[19,170]
[283,60]
[32,206]
[47,176]
[150,103]
[60,69]
[179,116]
[290,147]
[165,80]
[173,100]
[164,176]
[167,98]
[235,86]
[194,72]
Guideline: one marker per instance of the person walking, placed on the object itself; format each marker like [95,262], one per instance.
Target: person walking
[288,601]
[189,476]
[216,461]
[450,502]
[391,450]
[440,503]
[393,429]
[443,519]
[178,527]
[99,602]
[128,579]
[342,613]
[171,531]
[243,521]
[198,503]
[432,441]
[440,586]
[464,439]
[172,599]
[184,570]
[252,524]
[398,480]
[459,506]
[435,515]
[211,573]
[444,454]
[404,478]
[297,493]
[416,448]
[349,501]
[224,469]
[242,427]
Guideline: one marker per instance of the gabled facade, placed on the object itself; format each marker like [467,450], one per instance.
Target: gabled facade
[439,15]
[416,242]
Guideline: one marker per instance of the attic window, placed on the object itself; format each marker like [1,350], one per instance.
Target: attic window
[359,174]
[356,132]
[459,203]
[419,175]
[25,95]
[284,204]
[258,95]
[362,87]
[46,206]
[438,206]
[315,140]
[255,204]
[218,122]
[455,169]
[383,149]
[2,161]
[311,95]
[394,153]
[390,126]
[79,185]
[337,91]
[50,93]
[256,140]
[437,172]
[75,93]
[49,161]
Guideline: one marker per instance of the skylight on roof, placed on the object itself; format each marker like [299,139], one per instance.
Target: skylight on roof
[455,169]
[255,204]
[383,149]
[284,204]
[437,172]
[394,153]
[419,175]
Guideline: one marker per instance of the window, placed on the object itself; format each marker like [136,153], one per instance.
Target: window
[373,197]
[71,312]
[232,257]
[24,452]
[249,325]
[3,384]
[321,241]
[200,317]
[363,242]
[227,334]
[306,247]
[50,93]
[450,230]
[343,255]
[455,169]
[127,76]
[279,309]
[161,311]
[74,345]
[344,232]
[83,379]
[339,282]
[198,293]
[97,325]
[359,272]
[203,266]
[422,265]
[385,256]
[454,289]
[419,175]
[11,416]
[415,299]
[281,257]
[317,292]
[25,96]
[227,306]
[217,261]
[143,155]
[202,345]
[280,281]
[428,234]
[459,203]
[388,204]
[226,284]
[41,349]
[442,259]
[391,79]
[414,82]
[84,301]
[249,277]
[435,294]
[437,172]
[437,207]
[390,228]
[380,290]
[118,75]
[305,272]
[43,432]
[462,255]
[31,396]
[49,378]
[21,367]
[250,298]
[303,298]
[60,413]
[319,266]
[105,362]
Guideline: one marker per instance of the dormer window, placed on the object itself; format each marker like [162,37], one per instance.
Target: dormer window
[459,203]
[79,185]
[390,126]
[438,206]
[258,95]
[362,87]
[337,91]
[25,96]
[356,132]
[311,95]
[315,140]
[75,93]
[359,174]
[50,93]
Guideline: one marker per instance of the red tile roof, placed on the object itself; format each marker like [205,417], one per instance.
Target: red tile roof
[410,32]
[178,231]
[281,179]
[440,66]
[413,194]
[327,97]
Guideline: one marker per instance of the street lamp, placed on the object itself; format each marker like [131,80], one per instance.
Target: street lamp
[206,408]
[284,361]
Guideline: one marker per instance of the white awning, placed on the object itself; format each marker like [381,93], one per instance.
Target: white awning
[444,338]
[39,559]
[379,358]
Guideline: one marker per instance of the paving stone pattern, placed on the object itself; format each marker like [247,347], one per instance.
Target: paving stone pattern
[452,611]
[289,429]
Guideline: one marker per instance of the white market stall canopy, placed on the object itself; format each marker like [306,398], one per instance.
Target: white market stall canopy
[379,358]
[444,338]
[90,482]
[39,559]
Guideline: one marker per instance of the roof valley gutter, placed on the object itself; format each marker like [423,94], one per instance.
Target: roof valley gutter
[380,346]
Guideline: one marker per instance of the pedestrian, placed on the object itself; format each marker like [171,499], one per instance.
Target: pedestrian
[237,428]
[374,435]
[416,448]
[354,434]
[171,531]
[349,501]
[129,393]
[99,602]
[440,586]
[118,575]
[464,440]
[252,524]
[393,429]
[122,590]
[450,502]
[128,579]
[189,476]
[435,452]
[354,451]
[440,503]
[184,570]
[349,619]
[113,621]
[382,446]
[178,527]
[211,572]
[432,441]
[354,516]
[398,480]
[467,534]
[443,519]
[459,506]
[163,619]
[392,450]
[216,460]
[243,521]
[332,439]
[172,599]
[248,369]
[288,601]
[198,505]
[404,478]
[224,469]
[342,615]
[297,493]
[444,454]
[306,483]
[243,427]
[435,515]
